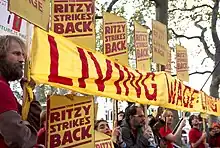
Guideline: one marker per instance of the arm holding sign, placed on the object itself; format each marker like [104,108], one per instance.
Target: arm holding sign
[15,132]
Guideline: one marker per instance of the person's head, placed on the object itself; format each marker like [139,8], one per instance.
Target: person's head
[12,57]
[167,116]
[103,127]
[135,116]
[43,118]
[194,121]
[216,128]
[121,115]
[211,131]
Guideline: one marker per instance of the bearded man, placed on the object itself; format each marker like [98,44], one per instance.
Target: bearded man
[14,132]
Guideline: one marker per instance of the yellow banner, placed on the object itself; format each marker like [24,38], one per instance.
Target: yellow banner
[168,67]
[103,141]
[182,97]
[115,38]
[142,48]
[75,19]
[159,40]
[210,105]
[34,11]
[70,122]
[182,63]
[93,73]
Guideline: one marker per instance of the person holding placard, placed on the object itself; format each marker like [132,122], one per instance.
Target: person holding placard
[14,132]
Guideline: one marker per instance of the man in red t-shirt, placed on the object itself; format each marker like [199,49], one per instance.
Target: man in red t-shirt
[196,137]
[14,132]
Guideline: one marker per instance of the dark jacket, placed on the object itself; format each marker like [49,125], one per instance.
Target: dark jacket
[133,142]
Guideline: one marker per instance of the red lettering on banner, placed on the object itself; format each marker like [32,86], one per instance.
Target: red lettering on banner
[120,28]
[125,82]
[138,89]
[186,97]
[213,104]
[210,104]
[67,138]
[192,98]
[70,136]
[71,7]
[69,113]
[77,114]
[137,84]
[149,96]
[71,27]
[72,17]
[121,77]
[115,46]
[54,64]
[172,92]
[103,145]
[180,95]
[142,53]
[85,68]
[76,122]
[100,81]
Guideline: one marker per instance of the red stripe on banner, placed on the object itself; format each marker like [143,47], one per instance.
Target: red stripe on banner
[121,77]
[125,82]
[149,96]
[54,64]
[100,81]
[137,84]
[17,23]
[85,68]
[132,81]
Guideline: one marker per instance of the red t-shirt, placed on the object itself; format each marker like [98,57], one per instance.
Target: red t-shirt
[194,136]
[41,135]
[164,131]
[218,140]
[8,102]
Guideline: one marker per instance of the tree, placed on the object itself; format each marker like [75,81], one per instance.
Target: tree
[205,18]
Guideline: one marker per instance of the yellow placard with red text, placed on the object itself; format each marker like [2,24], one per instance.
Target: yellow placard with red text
[142,47]
[70,121]
[115,38]
[168,67]
[34,11]
[75,20]
[70,66]
[103,140]
[159,40]
[182,63]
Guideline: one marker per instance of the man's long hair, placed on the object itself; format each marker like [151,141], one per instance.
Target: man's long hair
[7,70]
[5,42]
